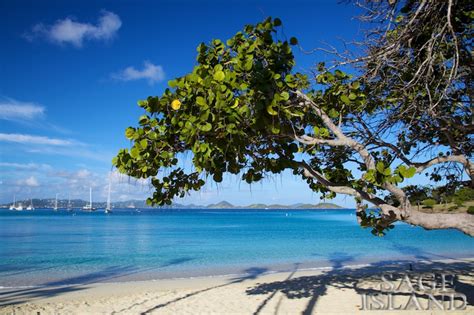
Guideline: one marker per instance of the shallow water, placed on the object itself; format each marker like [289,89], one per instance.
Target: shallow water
[53,248]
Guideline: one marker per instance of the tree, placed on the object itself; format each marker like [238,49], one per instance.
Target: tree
[429,203]
[244,110]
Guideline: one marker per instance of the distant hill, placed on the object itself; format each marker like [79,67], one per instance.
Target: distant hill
[227,205]
[141,204]
[322,205]
[221,205]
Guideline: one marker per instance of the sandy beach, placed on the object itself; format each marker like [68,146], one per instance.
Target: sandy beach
[338,290]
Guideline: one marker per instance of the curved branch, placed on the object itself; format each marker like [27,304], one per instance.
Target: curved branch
[369,161]
[353,144]
[420,167]
[434,221]
[305,139]
[430,221]
[340,189]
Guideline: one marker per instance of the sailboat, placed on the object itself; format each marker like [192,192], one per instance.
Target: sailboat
[89,206]
[108,208]
[30,207]
[69,207]
[56,203]
[13,206]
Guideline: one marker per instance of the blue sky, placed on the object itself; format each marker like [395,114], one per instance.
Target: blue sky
[72,71]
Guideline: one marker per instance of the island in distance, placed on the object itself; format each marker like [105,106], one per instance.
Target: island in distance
[141,204]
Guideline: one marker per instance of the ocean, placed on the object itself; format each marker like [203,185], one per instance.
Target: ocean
[42,247]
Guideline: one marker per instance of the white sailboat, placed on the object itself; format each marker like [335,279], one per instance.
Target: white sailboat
[108,208]
[30,207]
[13,206]
[56,203]
[69,207]
[89,206]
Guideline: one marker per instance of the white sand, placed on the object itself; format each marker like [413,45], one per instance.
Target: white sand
[300,291]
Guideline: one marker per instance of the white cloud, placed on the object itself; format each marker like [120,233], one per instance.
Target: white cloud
[27,166]
[83,174]
[69,31]
[81,150]
[11,109]
[29,139]
[150,72]
[30,182]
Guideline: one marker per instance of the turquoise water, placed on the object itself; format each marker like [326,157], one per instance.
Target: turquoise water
[49,248]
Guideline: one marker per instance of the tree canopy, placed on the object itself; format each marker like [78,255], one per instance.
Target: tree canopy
[244,109]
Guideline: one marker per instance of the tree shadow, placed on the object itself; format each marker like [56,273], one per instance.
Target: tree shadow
[250,274]
[419,253]
[8,270]
[264,302]
[80,282]
[314,287]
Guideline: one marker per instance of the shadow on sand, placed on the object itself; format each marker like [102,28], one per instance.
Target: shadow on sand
[313,287]
[81,282]
[250,274]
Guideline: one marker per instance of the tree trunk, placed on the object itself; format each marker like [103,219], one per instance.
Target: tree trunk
[433,221]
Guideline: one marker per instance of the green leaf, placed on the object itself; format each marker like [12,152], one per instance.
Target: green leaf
[324,132]
[316,131]
[172,83]
[396,179]
[143,143]
[201,101]
[285,95]
[206,127]
[143,119]
[142,103]
[380,167]
[129,133]
[271,110]
[352,96]
[333,113]
[345,99]
[277,22]
[410,172]
[230,128]
[275,129]
[134,152]
[339,74]
[248,65]
[289,78]
[355,85]
[219,76]
[370,176]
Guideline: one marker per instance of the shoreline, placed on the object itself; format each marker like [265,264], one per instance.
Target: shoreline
[236,271]
[257,289]
[239,270]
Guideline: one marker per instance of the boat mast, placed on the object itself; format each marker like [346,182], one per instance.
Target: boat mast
[56,203]
[108,198]
[90,197]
